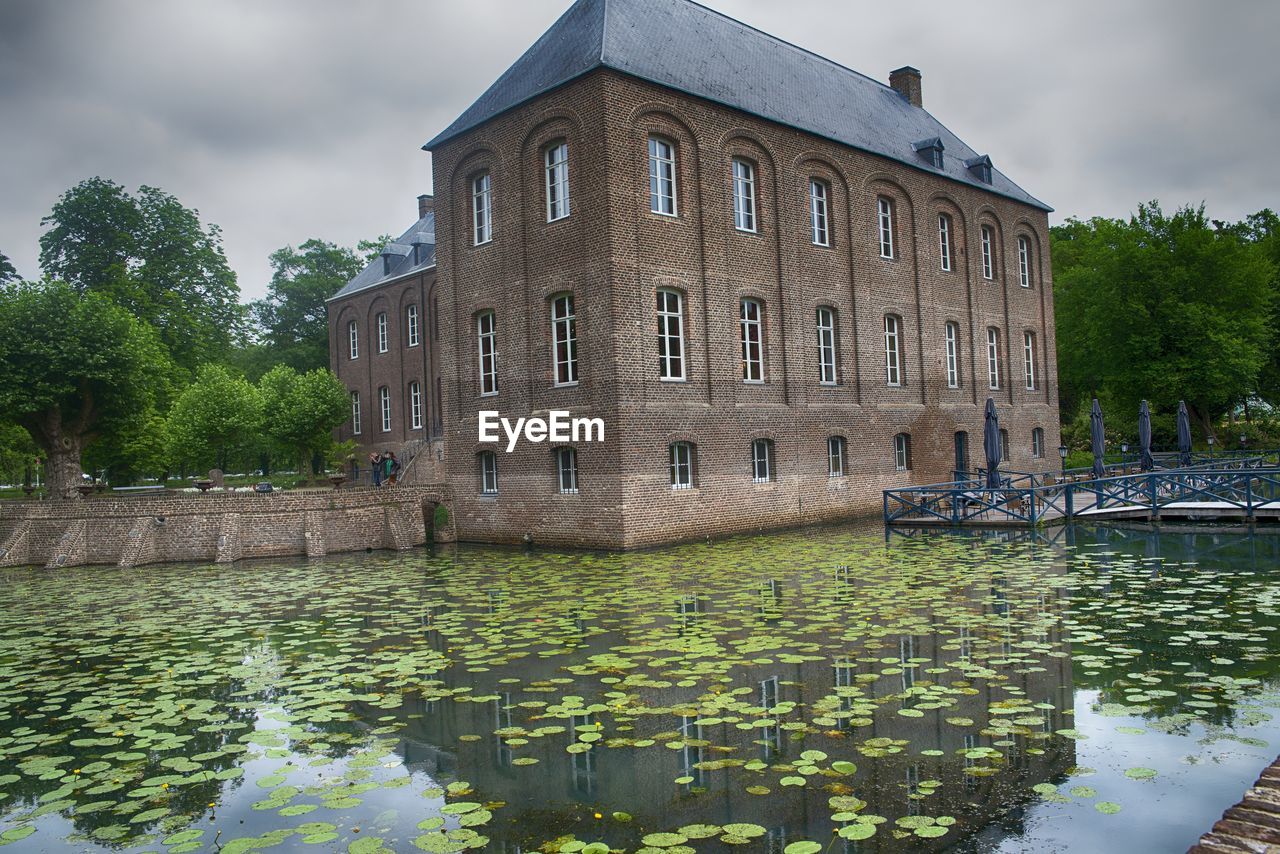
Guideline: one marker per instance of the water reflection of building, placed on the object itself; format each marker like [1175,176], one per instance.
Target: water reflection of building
[559,794]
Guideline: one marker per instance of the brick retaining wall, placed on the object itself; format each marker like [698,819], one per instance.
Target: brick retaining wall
[216,526]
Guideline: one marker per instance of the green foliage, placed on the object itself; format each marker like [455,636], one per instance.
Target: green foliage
[8,273]
[216,419]
[369,250]
[301,410]
[292,320]
[1162,308]
[1262,230]
[17,454]
[150,255]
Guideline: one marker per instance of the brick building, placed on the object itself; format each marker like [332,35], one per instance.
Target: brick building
[784,286]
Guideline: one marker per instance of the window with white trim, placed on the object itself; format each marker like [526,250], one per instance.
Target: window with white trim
[893,349]
[415,405]
[751,328]
[944,241]
[1024,262]
[482,208]
[567,470]
[902,452]
[556,165]
[835,456]
[355,413]
[681,455]
[819,194]
[828,373]
[744,195]
[1004,445]
[993,357]
[487,341]
[884,217]
[1029,358]
[1037,442]
[662,176]
[411,324]
[382,332]
[488,465]
[762,462]
[988,253]
[353,340]
[952,336]
[564,336]
[670,335]
[384,405]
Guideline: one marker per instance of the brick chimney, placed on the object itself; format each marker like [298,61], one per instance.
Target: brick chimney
[426,203]
[906,82]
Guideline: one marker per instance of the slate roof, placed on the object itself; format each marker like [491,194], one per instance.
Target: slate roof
[690,48]
[400,251]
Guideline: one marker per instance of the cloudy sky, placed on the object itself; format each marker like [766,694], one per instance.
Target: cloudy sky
[292,119]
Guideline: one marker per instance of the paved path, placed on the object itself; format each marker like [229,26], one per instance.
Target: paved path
[1253,825]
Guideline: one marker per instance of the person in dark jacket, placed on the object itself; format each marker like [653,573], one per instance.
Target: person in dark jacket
[375,465]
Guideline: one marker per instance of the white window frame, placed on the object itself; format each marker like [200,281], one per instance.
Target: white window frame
[680,465]
[353,340]
[993,358]
[567,470]
[988,253]
[564,340]
[482,208]
[884,218]
[383,325]
[819,197]
[828,356]
[744,195]
[944,241]
[487,348]
[411,324]
[356,427]
[384,405]
[902,452]
[951,335]
[662,176]
[751,327]
[670,309]
[556,167]
[837,449]
[415,405]
[488,473]
[892,350]
[1029,358]
[1037,442]
[762,462]
[1024,262]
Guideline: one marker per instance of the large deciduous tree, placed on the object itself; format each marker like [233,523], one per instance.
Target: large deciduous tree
[301,410]
[1162,308]
[73,368]
[216,419]
[152,256]
[8,273]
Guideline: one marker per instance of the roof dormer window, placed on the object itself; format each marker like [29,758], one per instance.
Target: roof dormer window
[980,167]
[931,150]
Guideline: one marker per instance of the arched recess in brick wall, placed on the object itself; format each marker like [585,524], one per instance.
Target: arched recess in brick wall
[343,324]
[953,293]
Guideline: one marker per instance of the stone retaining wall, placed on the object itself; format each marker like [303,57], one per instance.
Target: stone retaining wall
[217,526]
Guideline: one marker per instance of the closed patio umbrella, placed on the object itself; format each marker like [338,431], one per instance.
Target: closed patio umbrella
[1184,434]
[1144,437]
[991,445]
[1097,439]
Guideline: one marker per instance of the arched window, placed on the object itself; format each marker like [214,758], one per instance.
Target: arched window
[1024,262]
[893,349]
[763,467]
[353,340]
[411,324]
[902,452]
[1037,442]
[682,456]
[988,252]
[487,465]
[382,332]
[744,195]
[567,470]
[828,346]
[751,325]
[944,242]
[556,167]
[952,338]
[415,405]
[1004,445]
[487,344]
[835,456]
[884,221]
[355,413]
[819,196]
[662,176]
[670,335]
[482,208]
[993,357]
[564,337]
[1029,358]
[384,406]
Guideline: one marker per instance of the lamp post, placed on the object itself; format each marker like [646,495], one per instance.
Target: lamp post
[1210,447]
[1062,452]
[1124,457]
[1243,440]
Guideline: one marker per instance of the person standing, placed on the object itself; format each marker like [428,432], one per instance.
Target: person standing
[375,465]
[393,467]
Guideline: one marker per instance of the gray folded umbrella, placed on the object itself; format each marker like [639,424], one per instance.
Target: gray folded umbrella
[1144,437]
[1184,434]
[1097,439]
[991,445]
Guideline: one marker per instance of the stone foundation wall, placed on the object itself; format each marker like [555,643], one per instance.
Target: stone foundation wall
[217,527]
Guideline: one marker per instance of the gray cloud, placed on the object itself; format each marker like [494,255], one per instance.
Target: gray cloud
[297,118]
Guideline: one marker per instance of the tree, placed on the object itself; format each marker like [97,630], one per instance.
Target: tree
[1262,231]
[292,319]
[301,410]
[215,419]
[1160,308]
[152,256]
[72,369]
[17,454]
[8,273]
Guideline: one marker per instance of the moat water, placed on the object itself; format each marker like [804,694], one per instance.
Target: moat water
[821,690]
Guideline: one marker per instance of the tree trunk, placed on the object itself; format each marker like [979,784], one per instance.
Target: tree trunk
[62,472]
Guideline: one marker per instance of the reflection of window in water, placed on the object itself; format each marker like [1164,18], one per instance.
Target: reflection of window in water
[1006,647]
[691,756]
[775,839]
[971,782]
[507,847]
[770,737]
[913,788]
[906,652]
[999,603]
[851,846]
[583,766]
[843,678]
[1016,754]
[1047,726]
[425,707]
[501,720]
[966,644]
